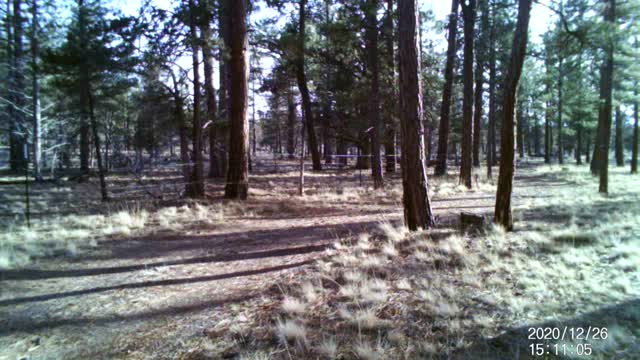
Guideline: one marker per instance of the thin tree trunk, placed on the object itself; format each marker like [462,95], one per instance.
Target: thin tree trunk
[18,132]
[96,142]
[469,15]
[548,139]
[477,111]
[291,123]
[560,124]
[224,24]
[634,146]
[210,94]
[84,126]
[371,36]
[491,131]
[604,113]
[10,77]
[179,118]
[35,54]
[417,206]
[445,108]
[579,144]
[198,168]
[304,90]
[237,186]
[503,215]
[479,90]
[618,144]
[391,101]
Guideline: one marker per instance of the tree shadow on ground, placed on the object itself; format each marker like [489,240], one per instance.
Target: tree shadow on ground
[151,283]
[34,325]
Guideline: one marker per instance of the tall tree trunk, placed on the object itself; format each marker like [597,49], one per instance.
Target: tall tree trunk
[604,111]
[391,101]
[84,125]
[417,206]
[579,144]
[547,134]
[35,70]
[560,124]
[96,140]
[536,138]
[618,140]
[291,124]
[480,58]
[179,118]
[210,94]
[198,168]
[237,186]
[371,36]
[588,147]
[491,131]
[507,161]
[224,24]
[328,137]
[445,108]
[469,15]
[634,146]
[18,133]
[477,111]
[304,91]
[9,81]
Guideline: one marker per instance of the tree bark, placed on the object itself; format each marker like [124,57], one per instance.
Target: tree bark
[503,215]
[84,126]
[469,15]
[604,112]
[198,168]
[35,70]
[618,144]
[291,124]
[237,186]
[579,144]
[179,118]
[210,94]
[634,146]
[304,91]
[96,142]
[445,109]
[479,74]
[224,24]
[18,161]
[417,206]
[560,124]
[371,38]
[491,131]
[391,101]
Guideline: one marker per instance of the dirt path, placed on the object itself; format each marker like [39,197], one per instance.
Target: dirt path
[150,296]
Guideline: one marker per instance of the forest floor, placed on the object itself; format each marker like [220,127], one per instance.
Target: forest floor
[332,274]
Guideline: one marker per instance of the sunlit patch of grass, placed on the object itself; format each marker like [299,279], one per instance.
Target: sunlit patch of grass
[291,331]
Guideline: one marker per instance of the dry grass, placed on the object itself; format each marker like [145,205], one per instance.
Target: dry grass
[395,295]
[19,244]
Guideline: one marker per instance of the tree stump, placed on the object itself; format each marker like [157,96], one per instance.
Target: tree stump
[471,222]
